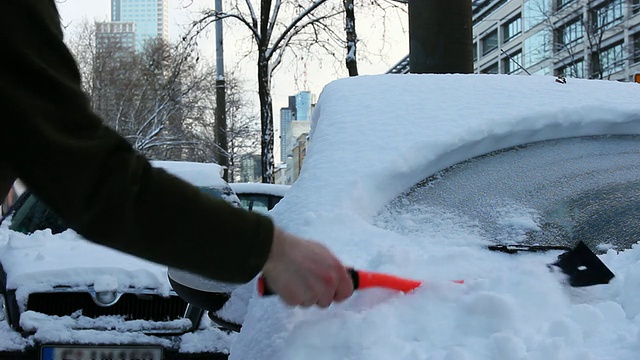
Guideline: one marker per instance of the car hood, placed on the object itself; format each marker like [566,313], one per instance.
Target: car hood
[41,261]
[372,138]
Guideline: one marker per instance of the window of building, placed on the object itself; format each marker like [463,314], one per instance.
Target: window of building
[574,70]
[489,42]
[636,48]
[475,51]
[543,71]
[608,15]
[511,64]
[537,48]
[489,12]
[570,35]
[491,69]
[511,28]
[611,61]
[562,3]
[636,6]
[534,12]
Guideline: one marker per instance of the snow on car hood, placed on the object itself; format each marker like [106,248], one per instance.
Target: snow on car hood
[40,261]
[372,138]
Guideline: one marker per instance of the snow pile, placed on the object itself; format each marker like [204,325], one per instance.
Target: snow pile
[375,136]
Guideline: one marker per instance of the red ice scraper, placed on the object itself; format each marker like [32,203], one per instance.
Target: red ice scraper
[579,263]
[366,279]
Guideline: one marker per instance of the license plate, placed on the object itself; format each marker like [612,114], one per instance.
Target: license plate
[100,353]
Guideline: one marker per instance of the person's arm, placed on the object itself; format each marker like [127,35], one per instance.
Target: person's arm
[93,178]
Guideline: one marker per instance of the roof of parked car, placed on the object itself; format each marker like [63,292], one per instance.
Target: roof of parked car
[198,174]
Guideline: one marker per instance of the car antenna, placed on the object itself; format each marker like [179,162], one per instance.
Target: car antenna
[520,66]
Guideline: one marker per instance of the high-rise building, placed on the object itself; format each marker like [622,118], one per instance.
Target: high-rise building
[287,114]
[250,169]
[150,16]
[119,37]
[597,39]
[304,105]
[295,120]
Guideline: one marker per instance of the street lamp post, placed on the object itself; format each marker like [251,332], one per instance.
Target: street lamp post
[221,108]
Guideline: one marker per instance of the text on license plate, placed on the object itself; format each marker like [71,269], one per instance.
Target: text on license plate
[100,353]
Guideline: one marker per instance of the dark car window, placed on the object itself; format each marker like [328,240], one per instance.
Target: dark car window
[225,193]
[32,215]
[548,193]
[253,202]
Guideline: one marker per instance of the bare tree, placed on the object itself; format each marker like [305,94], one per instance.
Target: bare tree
[162,98]
[147,96]
[352,38]
[298,26]
[81,42]
[243,131]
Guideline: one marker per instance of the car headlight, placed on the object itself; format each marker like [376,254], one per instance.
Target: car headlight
[106,298]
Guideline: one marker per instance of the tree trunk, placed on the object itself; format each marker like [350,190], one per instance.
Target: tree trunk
[440,36]
[266,119]
[352,38]
[264,91]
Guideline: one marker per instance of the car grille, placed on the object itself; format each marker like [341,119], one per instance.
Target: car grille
[130,306]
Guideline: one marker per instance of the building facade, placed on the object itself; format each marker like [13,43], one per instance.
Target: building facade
[287,114]
[150,16]
[298,154]
[304,105]
[295,120]
[250,169]
[115,35]
[596,39]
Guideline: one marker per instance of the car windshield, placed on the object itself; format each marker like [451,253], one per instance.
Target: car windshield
[547,193]
[224,193]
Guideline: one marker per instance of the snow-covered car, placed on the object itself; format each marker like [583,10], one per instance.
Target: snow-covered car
[259,197]
[419,175]
[63,297]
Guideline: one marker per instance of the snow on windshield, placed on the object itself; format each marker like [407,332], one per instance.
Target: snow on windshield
[510,194]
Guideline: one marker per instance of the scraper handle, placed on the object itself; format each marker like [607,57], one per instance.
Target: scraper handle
[363,280]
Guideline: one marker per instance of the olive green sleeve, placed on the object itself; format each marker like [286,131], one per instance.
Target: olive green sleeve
[93,178]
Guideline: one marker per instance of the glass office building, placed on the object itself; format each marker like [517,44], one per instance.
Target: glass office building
[150,16]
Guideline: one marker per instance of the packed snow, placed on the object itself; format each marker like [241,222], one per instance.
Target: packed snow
[373,137]
[41,261]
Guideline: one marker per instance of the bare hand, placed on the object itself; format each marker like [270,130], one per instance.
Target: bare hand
[305,272]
